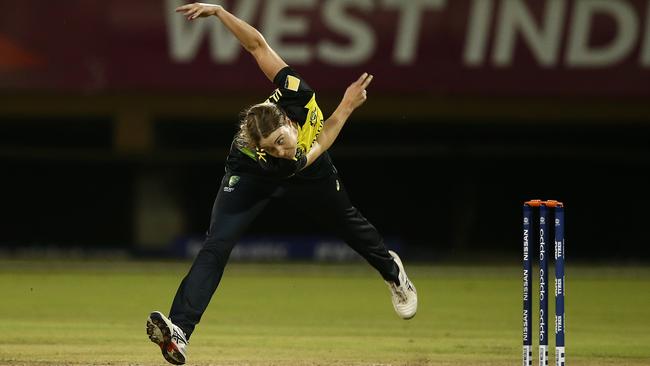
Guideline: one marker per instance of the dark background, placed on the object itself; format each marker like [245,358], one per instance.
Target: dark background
[94,106]
[450,189]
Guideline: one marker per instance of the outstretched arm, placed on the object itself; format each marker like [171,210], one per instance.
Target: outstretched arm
[354,97]
[252,40]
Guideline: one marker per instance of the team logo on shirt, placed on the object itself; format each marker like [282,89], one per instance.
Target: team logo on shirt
[233,180]
[313,117]
[261,154]
[231,183]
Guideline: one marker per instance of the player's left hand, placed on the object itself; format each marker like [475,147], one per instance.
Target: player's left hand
[356,93]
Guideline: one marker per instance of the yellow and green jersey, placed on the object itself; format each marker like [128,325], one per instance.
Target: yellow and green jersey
[296,98]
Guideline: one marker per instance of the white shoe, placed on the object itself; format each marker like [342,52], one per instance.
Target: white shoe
[168,336]
[404,295]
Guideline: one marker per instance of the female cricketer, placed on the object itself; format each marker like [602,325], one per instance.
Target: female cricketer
[279,153]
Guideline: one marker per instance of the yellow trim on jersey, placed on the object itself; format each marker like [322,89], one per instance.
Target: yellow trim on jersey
[309,131]
[248,152]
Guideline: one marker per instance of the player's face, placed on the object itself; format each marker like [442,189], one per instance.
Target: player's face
[282,142]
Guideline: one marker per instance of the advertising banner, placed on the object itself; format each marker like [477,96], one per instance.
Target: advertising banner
[441,47]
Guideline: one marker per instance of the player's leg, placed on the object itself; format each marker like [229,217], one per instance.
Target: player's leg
[362,236]
[328,200]
[239,201]
[236,206]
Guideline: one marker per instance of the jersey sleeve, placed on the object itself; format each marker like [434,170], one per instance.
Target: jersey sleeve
[291,83]
[298,100]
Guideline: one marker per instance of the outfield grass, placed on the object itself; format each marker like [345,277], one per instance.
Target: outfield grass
[93,313]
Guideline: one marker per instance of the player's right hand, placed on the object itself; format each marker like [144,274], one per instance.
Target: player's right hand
[198,10]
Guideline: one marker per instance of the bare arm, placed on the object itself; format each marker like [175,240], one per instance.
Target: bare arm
[354,97]
[252,40]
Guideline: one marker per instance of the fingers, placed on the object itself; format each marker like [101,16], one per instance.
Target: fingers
[362,78]
[187,10]
[191,11]
[195,14]
[198,10]
[365,80]
[184,8]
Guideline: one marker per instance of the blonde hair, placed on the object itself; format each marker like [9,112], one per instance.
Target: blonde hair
[258,122]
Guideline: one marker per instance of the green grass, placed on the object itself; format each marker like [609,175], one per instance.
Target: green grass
[93,313]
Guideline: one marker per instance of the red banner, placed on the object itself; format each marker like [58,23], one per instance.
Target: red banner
[459,47]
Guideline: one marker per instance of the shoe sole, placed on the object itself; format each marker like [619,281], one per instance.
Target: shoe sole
[158,328]
[409,317]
